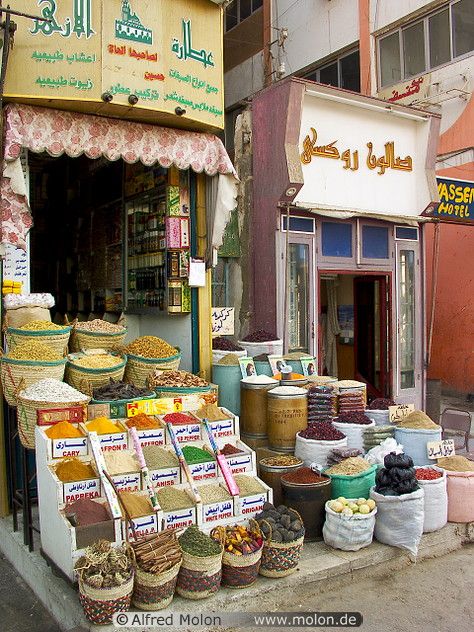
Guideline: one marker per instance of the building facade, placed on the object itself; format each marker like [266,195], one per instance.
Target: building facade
[418,53]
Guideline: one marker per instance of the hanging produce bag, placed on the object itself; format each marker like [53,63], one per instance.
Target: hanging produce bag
[399,520]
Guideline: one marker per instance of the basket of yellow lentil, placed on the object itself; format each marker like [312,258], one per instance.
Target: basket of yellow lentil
[97,334]
[55,336]
[147,354]
[86,371]
[27,363]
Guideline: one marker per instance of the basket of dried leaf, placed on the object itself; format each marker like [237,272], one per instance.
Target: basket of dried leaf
[105,573]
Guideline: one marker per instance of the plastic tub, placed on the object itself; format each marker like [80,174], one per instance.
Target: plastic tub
[414,442]
[227,377]
[309,500]
[353,486]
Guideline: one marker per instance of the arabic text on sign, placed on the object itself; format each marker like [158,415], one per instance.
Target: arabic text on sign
[439,449]
[351,158]
[410,89]
[185,50]
[80,24]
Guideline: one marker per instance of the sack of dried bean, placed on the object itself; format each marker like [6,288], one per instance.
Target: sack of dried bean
[314,444]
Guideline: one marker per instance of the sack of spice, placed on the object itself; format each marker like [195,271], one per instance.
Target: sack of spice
[314,444]
[433,480]
[460,480]
[201,569]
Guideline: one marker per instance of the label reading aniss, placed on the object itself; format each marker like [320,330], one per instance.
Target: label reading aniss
[439,449]
[397,413]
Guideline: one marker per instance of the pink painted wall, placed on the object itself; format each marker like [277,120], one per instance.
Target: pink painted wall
[452,355]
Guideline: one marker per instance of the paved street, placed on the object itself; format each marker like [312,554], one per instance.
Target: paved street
[433,596]
[21,611]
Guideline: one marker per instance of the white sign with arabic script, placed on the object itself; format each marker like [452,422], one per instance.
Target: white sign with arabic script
[358,156]
[223,321]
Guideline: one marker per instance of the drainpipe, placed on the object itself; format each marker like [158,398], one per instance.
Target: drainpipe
[267,38]
[365,57]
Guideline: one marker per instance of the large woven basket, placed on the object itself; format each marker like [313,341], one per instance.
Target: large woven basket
[199,577]
[83,339]
[155,592]
[100,604]
[85,380]
[24,373]
[139,368]
[27,414]
[280,559]
[56,339]
[240,571]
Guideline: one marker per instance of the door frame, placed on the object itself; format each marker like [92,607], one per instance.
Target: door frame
[390,307]
[307,240]
[385,334]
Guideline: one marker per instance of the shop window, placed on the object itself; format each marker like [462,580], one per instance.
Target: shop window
[375,242]
[239,10]
[406,321]
[220,283]
[436,39]
[298,224]
[343,72]
[406,232]
[336,239]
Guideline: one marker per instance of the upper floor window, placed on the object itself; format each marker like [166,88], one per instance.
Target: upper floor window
[237,10]
[343,72]
[427,43]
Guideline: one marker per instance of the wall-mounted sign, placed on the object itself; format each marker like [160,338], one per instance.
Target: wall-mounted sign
[360,157]
[407,92]
[165,53]
[223,321]
[456,200]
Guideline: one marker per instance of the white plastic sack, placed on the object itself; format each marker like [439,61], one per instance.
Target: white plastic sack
[348,533]
[380,417]
[400,519]
[218,355]
[313,451]
[435,502]
[354,433]
[377,454]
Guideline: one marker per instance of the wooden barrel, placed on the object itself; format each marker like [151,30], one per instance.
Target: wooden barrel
[253,408]
[287,414]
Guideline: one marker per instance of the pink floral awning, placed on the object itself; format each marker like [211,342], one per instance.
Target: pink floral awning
[57,132]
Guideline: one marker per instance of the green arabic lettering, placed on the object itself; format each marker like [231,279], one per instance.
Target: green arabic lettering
[47,12]
[83,18]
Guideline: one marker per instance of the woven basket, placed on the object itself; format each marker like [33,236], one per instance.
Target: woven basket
[100,604]
[139,368]
[240,571]
[155,592]
[280,559]
[199,577]
[56,339]
[27,414]
[82,339]
[24,373]
[85,380]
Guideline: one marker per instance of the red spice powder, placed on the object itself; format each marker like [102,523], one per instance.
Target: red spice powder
[230,449]
[303,475]
[179,418]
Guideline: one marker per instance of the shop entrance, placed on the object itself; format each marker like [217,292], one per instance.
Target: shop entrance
[354,329]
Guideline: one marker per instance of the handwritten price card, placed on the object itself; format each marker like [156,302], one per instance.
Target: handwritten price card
[397,413]
[223,321]
[439,449]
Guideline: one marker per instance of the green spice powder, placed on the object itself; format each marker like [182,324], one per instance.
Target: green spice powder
[193,455]
[194,542]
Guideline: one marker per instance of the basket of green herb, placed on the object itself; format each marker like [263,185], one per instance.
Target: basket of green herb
[201,569]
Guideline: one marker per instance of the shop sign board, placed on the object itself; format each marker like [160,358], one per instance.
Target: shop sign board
[456,201]
[358,156]
[439,449]
[152,55]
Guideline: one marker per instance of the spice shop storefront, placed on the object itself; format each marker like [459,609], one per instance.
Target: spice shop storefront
[340,219]
[110,153]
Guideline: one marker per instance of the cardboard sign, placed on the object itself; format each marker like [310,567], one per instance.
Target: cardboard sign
[223,428]
[153,436]
[204,471]
[81,489]
[188,432]
[165,477]
[215,512]
[222,319]
[69,447]
[250,505]
[144,525]
[240,463]
[438,449]
[128,482]
[180,518]
[397,413]
[114,442]
[73,414]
